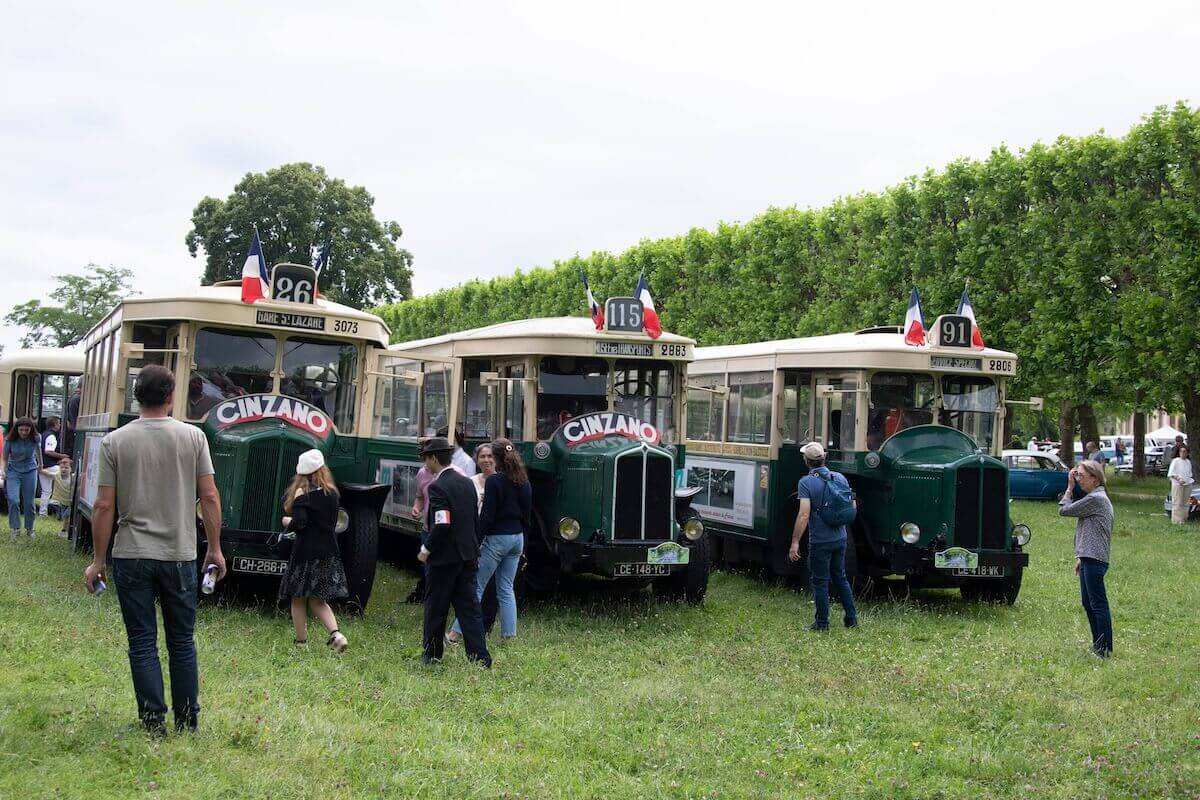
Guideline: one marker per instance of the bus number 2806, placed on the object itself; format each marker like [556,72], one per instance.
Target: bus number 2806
[1004,365]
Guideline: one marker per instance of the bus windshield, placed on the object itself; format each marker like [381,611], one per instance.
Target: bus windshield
[322,374]
[568,387]
[899,400]
[969,404]
[644,390]
[229,364]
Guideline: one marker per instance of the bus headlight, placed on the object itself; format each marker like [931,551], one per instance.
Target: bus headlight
[693,529]
[1022,535]
[910,532]
[568,528]
[343,521]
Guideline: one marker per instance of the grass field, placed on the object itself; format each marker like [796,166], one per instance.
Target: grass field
[623,697]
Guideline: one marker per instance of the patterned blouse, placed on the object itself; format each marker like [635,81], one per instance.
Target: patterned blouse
[1093,528]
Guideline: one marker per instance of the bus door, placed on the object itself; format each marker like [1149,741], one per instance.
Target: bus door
[837,400]
[509,400]
[477,418]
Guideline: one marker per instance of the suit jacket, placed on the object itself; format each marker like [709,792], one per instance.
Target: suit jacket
[453,519]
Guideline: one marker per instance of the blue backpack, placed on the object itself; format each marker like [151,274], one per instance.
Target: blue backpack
[837,503]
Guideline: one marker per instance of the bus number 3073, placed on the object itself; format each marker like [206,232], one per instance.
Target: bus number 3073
[345,326]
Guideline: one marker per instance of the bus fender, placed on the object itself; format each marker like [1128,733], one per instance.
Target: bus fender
[683,499]
[368,495]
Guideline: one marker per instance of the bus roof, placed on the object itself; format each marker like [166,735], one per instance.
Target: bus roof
[873,348]
[546,335]
[43,359]
[222,304]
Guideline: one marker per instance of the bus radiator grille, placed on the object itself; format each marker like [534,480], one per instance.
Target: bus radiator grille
[660,484]
[966,508]
[649,476]
[995,495]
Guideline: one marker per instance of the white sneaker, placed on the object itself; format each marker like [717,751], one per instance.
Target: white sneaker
[337,642]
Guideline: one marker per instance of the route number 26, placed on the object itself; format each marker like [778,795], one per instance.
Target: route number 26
[293,291]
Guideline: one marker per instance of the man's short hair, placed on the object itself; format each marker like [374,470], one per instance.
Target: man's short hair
[154,385]
[441,456]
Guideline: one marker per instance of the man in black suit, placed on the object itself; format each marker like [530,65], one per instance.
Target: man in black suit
[452,555]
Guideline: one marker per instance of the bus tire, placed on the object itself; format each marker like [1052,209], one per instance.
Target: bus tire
[1004,590]
[536,571]
[359,545]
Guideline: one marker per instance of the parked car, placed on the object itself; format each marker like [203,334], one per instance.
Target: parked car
[1154,461]
[1035,475]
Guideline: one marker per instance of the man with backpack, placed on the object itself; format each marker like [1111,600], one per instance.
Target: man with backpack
[826,508]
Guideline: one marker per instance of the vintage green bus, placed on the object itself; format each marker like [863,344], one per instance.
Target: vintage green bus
[915,429]
[265,381]
[597,416]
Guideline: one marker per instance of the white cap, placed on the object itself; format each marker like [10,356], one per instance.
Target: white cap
[813,451]
[310,461]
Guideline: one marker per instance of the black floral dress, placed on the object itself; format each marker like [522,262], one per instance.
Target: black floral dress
[315,568]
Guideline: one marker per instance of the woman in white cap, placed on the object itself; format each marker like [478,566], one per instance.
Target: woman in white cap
[315,573]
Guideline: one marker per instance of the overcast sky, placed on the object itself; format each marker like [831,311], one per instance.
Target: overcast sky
[504,135]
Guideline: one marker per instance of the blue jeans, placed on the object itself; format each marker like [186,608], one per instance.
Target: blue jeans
[827,560]
[1095,603]
[501,555]
[140,581]
[20,486]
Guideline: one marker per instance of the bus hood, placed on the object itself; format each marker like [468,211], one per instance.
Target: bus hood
[928,446]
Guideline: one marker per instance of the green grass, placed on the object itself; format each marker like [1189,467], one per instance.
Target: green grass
[624,697]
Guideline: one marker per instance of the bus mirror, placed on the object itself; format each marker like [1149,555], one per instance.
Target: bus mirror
[414,378]
[825,390]
[133,349]
[718,391]
[1036,404]
[489,378]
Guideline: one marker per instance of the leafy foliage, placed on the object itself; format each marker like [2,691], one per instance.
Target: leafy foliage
[296,208]
[82,300]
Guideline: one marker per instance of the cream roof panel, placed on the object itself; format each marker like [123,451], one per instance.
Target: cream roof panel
[551,335]
[44,359]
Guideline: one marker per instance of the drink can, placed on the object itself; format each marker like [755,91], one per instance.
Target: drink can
[209,582]
[99,585]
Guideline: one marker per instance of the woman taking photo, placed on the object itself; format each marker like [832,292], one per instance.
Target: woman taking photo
[22,461]
[1093,536]
[503,520]
[1180,473]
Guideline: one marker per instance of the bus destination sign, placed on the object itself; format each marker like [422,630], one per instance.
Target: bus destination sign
[624,349]
[283,319]
[955,362]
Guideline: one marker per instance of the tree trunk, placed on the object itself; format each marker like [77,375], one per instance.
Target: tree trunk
[1191,424]
[1066,432]
[1089,430]
[1139,438]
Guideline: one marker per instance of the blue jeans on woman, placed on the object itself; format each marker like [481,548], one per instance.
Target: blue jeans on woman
[827,560]
[1095,603]
[500,555]
[20,486]
[140,581]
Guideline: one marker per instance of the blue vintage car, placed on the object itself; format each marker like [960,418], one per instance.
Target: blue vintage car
[1034,475]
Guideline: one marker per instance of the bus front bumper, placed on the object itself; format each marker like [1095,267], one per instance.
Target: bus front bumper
[250,552]
[917,564]
[624,559]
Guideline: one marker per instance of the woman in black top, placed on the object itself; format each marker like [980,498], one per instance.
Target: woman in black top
[314,572]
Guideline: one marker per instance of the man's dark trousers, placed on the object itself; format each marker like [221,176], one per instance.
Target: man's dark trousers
[454,585]
[826,561]
[139,582]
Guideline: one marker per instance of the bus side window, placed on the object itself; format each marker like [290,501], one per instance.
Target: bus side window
[476,419]
[435,412]
[705,410]
[514,403]
[797,408]
[750,408]
[395,400]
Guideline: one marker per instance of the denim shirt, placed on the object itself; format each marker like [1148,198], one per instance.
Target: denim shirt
[21,454]
[812,486]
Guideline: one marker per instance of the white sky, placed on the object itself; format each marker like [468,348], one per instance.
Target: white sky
[504,135]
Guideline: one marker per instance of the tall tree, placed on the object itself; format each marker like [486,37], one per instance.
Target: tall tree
[296,208]
[82,300]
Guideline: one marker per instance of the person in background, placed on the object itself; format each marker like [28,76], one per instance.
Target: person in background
[152,470]
[22,460]
[62,493]
[1093,454]
[70,418]
[826,544]
[315,574]
[452,555]
[1119,446]
[1032,445]
[507,513]
[1093,539]
[460,460]
[50,459]
[1173,450]
[1180,475]
[420,503]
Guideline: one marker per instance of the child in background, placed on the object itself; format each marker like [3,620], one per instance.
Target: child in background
[62,490]
[314,573]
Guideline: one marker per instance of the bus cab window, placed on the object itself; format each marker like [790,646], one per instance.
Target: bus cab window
[899,400]
[514,403]
[750,408]
[969,404]
[797,411]
[229,364]
[839,422]
[644,390]
[569,387]
[476,418]
[323,374]
[152,337]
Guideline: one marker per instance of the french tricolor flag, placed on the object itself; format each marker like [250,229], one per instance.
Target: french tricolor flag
[255,281]
[966,310]
[914,321]
[650,321]
[593,307]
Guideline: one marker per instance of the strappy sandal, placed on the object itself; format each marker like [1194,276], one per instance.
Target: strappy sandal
[337,642]
[299,642]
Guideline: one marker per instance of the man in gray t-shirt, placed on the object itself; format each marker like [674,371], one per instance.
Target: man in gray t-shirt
[151,473]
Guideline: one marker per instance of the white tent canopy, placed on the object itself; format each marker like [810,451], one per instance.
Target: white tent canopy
[1165,432]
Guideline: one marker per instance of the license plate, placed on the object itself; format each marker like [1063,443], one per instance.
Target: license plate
[259,566]
[980,572]
[640,570]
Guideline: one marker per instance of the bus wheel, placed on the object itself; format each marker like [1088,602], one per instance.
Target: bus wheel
[360,553]
[536,573]
[1004,590]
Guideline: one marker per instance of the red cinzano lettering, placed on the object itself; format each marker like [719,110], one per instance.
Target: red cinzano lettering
[602,424]
[250,408]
